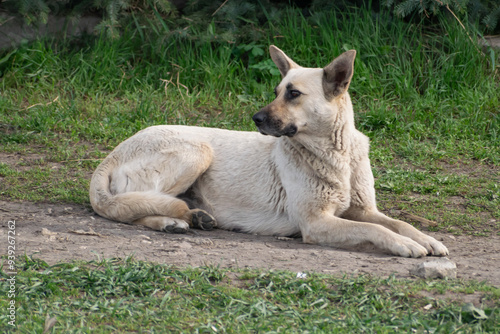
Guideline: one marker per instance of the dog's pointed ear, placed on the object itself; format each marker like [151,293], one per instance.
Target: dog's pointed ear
[281,60]
[337,75]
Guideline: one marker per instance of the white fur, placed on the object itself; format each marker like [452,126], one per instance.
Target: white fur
[317,183]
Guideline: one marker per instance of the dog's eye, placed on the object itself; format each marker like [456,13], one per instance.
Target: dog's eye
[295,93]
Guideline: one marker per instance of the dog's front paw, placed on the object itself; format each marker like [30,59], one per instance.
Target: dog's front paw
[433,246]
[437,248]
[203,220]
[407,248]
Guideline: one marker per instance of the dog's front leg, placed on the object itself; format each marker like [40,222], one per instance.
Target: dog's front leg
[338,232]
[363,208]
[372,215]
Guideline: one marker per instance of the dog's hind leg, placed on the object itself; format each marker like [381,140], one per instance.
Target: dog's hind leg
[172,214]
[196,218]
[143,190]
[161,212]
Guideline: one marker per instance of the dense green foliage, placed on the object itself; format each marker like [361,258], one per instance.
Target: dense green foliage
[114,296]
[485,12]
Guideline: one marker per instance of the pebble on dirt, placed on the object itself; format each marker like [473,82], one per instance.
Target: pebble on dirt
[439,268]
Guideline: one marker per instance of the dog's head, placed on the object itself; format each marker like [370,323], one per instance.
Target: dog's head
[306,98]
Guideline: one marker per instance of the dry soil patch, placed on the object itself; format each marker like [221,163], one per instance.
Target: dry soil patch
[57,233]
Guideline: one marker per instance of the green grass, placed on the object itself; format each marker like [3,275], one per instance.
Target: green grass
[111,296]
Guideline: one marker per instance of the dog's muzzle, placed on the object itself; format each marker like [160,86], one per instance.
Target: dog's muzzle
[272,127]
[260,119]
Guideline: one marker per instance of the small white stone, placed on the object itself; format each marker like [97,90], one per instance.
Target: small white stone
[439,268]
[183,245]
[301,275]
[47,233]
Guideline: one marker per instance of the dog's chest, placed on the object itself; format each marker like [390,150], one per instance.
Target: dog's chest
[330,191]
[320,182]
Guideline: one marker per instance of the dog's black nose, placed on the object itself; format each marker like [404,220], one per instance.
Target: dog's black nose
[259,118]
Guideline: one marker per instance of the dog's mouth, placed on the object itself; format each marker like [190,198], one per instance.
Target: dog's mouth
[272,127]
[289,131]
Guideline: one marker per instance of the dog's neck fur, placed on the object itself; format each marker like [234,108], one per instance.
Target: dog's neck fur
[343,125]
[337,138]
[325,153]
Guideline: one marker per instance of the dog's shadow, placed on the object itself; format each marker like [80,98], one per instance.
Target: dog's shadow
[222,238]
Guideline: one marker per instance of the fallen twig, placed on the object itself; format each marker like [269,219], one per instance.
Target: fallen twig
[42,104]
[421,220]
[89,232]
[81,160]
[220,7]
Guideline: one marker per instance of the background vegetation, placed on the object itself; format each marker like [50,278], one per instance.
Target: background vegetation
[484,13]
[425,90]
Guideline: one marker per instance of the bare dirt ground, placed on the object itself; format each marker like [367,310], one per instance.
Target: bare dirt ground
[57,233]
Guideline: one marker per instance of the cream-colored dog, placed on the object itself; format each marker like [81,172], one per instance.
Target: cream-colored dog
[311,174]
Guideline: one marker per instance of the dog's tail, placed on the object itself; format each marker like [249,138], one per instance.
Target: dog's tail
[130,206]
